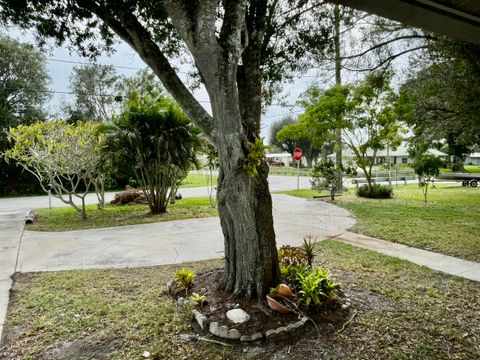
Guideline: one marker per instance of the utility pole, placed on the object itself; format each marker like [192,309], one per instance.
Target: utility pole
[338,81]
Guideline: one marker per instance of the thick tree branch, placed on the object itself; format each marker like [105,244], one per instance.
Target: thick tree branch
[196,26]
[384,43]
[388,60]
[233,24]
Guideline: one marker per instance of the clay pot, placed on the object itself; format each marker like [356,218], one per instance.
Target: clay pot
[275,305]
[285,291]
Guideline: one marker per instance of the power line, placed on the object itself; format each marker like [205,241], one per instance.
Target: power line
[284,114]
[134,68]
[112,65]
[63,92]
[90,63]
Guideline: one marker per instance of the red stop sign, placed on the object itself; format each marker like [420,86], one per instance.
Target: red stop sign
[297,154]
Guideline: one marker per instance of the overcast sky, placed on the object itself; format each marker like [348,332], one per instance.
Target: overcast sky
[60,63]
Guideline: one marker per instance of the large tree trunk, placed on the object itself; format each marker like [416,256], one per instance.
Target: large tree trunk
[245,208]
[244,202]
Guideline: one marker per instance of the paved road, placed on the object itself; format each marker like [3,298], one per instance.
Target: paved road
[277,183]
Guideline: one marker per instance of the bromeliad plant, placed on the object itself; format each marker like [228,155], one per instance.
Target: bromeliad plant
[313,286]
[185,278]
[308,247]
[316,286]
[198,299]
[256,153]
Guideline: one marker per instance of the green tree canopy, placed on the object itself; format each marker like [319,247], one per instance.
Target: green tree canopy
[288,145]
[23,84]
[23,92]
[95,88]
[442,101]
[365,113]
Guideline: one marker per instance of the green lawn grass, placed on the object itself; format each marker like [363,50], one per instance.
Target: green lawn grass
[305,193]
[65,218]
[197,180]
[472,169]
[399,311]
[449,223]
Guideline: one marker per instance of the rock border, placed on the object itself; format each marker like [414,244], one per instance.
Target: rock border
[222,331]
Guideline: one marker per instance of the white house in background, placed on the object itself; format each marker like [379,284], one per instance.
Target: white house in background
[278,158]
[473,159]
[397,156]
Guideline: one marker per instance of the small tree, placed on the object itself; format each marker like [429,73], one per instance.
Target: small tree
[324,176]
[369,121]
[64,157]
[426,167]
[155,135]
[299,134]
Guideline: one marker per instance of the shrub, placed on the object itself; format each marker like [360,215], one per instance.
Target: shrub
[377,192]
[289,255]
[290,274]
[185,277]
[316,286]
[457,167]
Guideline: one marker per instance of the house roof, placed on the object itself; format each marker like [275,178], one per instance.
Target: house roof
[474,155]
[436,152]
[456,18]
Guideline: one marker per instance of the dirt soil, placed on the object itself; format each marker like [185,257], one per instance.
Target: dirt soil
[262,318]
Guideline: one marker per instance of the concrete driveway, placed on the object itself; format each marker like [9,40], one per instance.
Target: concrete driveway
[11,228]
[172,241]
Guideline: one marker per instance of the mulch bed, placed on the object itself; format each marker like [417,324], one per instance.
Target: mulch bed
[262,318]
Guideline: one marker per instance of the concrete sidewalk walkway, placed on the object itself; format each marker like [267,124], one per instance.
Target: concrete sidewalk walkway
[11,228]
[443,263]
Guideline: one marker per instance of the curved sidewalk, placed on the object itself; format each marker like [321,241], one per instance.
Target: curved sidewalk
[436,261]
